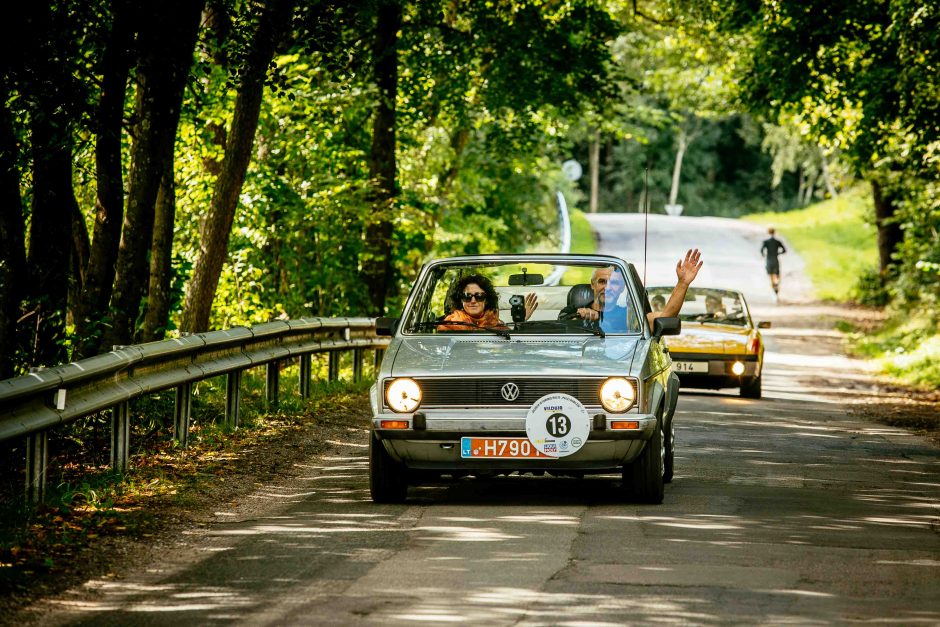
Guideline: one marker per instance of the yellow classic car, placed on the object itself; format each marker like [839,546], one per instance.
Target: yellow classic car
[720,346]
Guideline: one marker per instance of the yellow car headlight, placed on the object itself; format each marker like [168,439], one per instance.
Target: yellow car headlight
[403,395]
[617,395]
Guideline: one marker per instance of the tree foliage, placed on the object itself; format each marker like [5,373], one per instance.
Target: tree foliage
[342,165]
[861,78]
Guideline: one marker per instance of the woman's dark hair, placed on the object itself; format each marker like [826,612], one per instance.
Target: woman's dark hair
[492,298]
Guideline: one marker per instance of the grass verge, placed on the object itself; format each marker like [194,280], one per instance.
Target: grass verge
[582,236]
[906,347]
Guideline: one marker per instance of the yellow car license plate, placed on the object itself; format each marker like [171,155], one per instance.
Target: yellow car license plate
[691,366]
[499,448]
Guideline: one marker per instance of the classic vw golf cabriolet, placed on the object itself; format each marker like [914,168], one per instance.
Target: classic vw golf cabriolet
[497,365]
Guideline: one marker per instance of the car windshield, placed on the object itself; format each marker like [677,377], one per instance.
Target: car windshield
[490,297]
[706,305]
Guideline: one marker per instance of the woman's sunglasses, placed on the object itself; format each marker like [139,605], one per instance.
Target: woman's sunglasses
[467,297]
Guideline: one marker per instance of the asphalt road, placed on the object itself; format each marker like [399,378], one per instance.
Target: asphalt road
[790,509]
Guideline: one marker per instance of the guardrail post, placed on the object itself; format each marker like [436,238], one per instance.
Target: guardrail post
[120,436]
[357,364]
[333,370]
[273,384]
[377,359]
[233,397]
[37,455]
[305,376]
[184,405]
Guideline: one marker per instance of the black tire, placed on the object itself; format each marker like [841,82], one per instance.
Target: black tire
[644,477]
[388,479]
[750,388]
[670,441]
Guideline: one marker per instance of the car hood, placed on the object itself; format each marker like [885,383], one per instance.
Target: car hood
[709,338]
[437,356]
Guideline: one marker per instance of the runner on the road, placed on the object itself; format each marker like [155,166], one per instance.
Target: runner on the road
[771,249]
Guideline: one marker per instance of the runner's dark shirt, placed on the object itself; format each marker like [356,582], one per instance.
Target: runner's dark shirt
[773,247]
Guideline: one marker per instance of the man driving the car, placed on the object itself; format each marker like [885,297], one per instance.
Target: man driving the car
[607,284]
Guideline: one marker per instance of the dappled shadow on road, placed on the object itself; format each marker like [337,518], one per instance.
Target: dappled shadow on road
[773,504]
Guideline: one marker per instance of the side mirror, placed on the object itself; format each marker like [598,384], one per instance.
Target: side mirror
[386,326]
[763,325]
[666,326]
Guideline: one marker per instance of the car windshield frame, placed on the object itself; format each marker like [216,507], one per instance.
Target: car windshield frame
[427,287]
[743,320]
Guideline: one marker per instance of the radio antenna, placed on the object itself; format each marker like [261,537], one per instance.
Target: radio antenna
[646,217]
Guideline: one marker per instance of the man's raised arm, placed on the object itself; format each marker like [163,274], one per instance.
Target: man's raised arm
[686,271]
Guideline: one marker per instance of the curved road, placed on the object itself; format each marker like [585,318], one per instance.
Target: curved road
[790,509]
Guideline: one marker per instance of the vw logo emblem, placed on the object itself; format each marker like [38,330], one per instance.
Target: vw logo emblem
[510,391]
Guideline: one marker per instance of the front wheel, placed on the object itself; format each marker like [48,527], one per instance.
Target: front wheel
[670,444]
[750,388]
[388,482]
[643,478]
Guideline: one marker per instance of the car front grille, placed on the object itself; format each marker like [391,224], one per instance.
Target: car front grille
[447,392]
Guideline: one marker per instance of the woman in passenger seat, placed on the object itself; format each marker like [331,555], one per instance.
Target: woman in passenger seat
[474,302]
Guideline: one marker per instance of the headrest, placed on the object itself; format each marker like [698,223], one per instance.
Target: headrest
[580,295]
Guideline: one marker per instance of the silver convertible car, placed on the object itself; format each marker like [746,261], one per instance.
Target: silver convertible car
[495,367]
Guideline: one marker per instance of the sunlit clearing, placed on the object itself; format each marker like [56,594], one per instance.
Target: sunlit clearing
[542,518]
[466,534]
[435,618]
[903,522]
[922,562]
[802,593]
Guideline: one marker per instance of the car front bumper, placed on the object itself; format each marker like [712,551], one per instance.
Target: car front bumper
[718,369]
[435,443]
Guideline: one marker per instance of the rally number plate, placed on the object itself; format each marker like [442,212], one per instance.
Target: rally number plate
[691,366]
[499,448]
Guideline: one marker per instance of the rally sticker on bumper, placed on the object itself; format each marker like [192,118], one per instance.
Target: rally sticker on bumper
[558,425]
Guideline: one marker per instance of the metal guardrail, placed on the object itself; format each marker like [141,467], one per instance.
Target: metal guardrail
[32,405]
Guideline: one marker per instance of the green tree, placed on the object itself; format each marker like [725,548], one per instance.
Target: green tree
[862,77]
[272,22]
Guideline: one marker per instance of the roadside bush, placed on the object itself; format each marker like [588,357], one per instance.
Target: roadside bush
[870,290]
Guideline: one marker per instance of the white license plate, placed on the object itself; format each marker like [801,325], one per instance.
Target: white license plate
[691,366]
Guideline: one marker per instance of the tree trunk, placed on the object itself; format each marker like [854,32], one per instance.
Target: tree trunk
[161,261]
[458,142]
[889,231]
[163,70]
[109,204]
[594,159]
[218,224]
[827,176]
[50,235]
[12,242]
[677,167]
[810,189]
[802,186]
[78,261]
[377,248]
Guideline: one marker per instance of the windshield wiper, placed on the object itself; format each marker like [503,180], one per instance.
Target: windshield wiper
[707,317]
[433,324]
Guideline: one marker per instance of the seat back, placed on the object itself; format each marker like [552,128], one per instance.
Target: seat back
[580,295]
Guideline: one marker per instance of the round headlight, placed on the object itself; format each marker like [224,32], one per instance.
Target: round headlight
[403,395]
[617,395]
[737,368]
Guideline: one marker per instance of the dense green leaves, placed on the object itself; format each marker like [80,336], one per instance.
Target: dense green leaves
[753,105]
